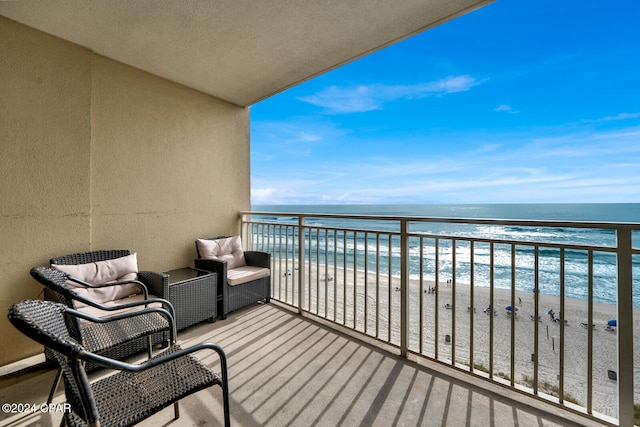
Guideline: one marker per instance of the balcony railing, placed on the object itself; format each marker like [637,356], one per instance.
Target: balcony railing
[529,305]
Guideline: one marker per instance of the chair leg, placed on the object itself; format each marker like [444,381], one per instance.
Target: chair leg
[54,387]
[225,404]
[176,410]
[149,346]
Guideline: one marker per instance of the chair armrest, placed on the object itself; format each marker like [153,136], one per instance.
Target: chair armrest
[258,259]
[176,353]
[166,304]
[216,265]
[165,313]
[158,283]
[141,285]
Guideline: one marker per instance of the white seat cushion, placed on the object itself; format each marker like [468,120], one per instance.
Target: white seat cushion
[245,274]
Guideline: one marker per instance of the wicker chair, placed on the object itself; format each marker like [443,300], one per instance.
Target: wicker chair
[113,339]
[136,391]
[244,290]
[147,281]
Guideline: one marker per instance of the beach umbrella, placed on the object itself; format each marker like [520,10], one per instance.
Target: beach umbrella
[612,322]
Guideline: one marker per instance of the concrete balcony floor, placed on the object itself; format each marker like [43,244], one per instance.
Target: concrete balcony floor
[291,370]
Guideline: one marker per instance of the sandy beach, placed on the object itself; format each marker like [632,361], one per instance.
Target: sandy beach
[447,331]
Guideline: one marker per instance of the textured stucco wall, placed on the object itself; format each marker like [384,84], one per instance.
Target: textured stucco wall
[45,100]
[169,164]
[99,155]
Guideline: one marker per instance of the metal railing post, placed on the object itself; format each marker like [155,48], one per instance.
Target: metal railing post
[301,262]
[244,231]
[404,285]
[625,327]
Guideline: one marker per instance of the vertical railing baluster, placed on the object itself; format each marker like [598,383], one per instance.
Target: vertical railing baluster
[437,298]
[301,261]
[390,281]
[377,285]
[590,335]
[492,304]
[512,365]
[404,287]
[562,317]
[355,279]
[421,316]
[310,250]
[453,302]
[255,230]
[344,279]
[536,313]
[295,253]
[625,326]
[472,300]
[366,281]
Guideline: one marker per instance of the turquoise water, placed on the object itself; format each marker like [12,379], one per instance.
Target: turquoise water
[609,212]
[575,266]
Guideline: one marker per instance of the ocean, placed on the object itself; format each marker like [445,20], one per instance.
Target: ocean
[575,266]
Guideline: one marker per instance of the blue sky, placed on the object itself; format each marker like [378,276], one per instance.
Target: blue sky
[517,102]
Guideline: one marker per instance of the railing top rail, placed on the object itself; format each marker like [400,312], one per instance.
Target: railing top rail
[457,220]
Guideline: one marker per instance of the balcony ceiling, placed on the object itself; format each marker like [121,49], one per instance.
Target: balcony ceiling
[240,51]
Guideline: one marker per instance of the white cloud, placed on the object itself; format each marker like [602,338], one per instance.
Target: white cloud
[621,116]
[556,164]
[507,108]
[309,137]
[262,195]
[363,98]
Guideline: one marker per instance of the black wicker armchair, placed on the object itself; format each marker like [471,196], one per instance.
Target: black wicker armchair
[136,391]
[244,277]
[145,284]
[116,339]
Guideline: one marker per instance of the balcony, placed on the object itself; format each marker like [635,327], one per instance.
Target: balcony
[544,309]
[356,335]
[292,370]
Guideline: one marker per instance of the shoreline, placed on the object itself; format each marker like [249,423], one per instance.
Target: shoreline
[446,332]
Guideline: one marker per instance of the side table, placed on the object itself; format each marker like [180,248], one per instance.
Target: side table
[193,294]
